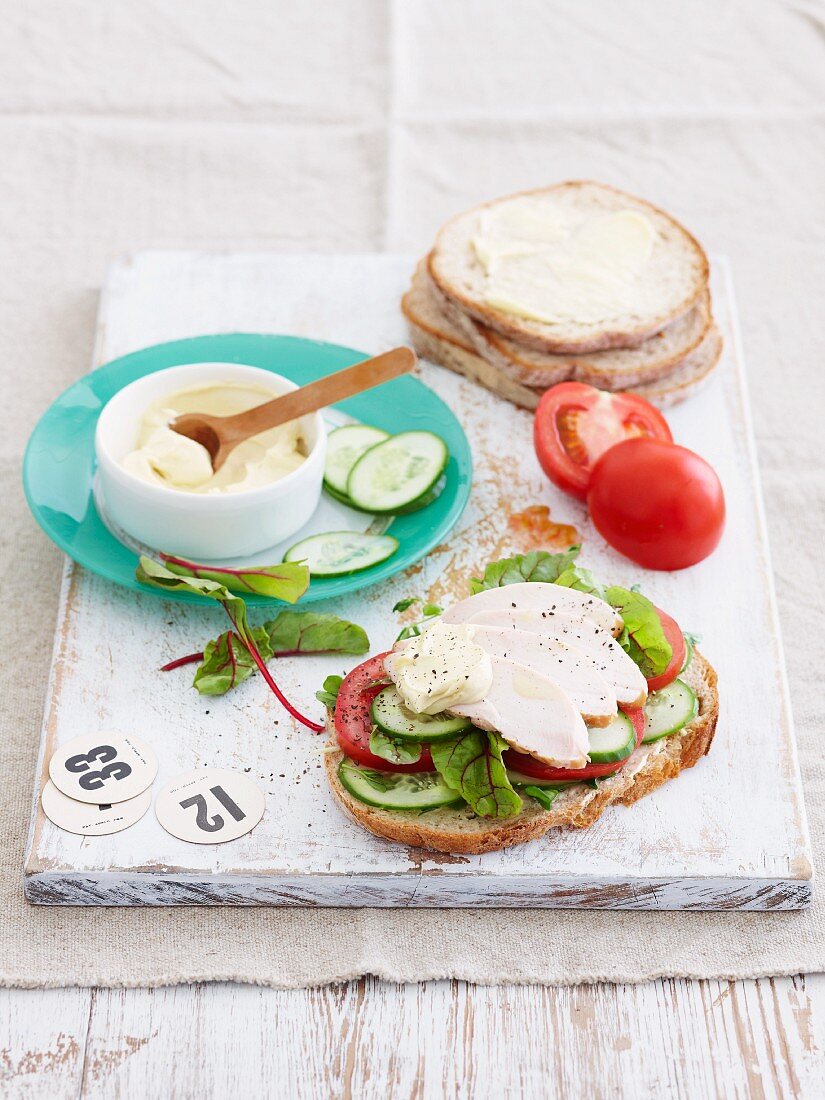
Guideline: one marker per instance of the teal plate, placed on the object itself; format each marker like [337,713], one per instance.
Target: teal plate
[59,465]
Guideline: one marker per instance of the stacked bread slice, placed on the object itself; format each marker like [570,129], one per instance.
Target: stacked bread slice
[626,289]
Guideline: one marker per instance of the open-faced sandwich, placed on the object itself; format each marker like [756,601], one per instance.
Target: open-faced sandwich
[536,702]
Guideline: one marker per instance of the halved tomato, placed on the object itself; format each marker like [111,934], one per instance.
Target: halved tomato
[575,424]
[528,765]
[673,633]
[353,723]
[659,504]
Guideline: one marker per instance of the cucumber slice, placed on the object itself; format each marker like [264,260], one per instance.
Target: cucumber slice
[338,552]
[398,472]
[393,718]
[426,498]
[417,505]
[615,741]
[344,447]
[669,710]
[342,498]
[396,791]
[688,653]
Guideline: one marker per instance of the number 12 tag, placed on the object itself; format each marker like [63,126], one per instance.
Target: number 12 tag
[210,806]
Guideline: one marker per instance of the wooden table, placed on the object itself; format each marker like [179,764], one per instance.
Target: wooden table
[369,1038]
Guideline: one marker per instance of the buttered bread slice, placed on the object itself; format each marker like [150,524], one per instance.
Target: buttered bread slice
[572,268]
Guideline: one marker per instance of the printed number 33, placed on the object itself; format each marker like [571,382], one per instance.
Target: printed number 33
[102,754]
[203,820]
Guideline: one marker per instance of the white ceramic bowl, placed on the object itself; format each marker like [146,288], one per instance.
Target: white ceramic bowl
[200,526]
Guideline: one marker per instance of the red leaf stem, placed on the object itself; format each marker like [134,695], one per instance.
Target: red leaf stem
[179,662]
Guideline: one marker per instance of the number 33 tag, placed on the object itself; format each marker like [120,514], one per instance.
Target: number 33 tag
[210,806]
[103,768]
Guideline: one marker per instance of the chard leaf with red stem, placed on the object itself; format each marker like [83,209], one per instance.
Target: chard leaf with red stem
[314,632]
[226,662]
[158,576]
[286,581]
[472,764]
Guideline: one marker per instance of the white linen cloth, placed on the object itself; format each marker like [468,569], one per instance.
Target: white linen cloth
[362,126]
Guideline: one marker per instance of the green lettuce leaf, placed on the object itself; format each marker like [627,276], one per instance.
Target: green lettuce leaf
[428,610]
[411,630]
[329,695]
[538,565]
[643,637]
[576,576]
[314,632]
[405,604]
[472,765]
[286,581]
[397,752]
[227,662]
[545,796]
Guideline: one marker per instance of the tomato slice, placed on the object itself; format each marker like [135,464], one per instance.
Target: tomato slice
[528,765]
[673,633]
[575,424]
[353,723]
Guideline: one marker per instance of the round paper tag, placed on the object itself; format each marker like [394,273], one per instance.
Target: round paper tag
[210,806]
[103,768]
[88,819]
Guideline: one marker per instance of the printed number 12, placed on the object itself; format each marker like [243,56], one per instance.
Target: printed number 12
[203,820]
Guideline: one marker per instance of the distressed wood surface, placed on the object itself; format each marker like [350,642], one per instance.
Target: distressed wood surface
[696,843]
[748,1039]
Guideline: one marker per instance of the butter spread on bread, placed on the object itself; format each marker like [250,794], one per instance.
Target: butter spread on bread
[545,263]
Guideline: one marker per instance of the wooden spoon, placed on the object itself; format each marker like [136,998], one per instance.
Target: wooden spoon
[221,434]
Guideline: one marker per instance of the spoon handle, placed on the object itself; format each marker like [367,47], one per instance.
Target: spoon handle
[318,395]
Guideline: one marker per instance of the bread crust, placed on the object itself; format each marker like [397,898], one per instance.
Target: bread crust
[689,377]
[540,335]
[460,832]
[615,369]
[448,351]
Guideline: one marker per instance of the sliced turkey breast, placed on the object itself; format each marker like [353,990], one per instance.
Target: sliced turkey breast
[543,599]
[608,657]
[572,669]
[532,714]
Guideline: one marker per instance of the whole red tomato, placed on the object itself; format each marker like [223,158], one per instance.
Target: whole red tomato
[659,504]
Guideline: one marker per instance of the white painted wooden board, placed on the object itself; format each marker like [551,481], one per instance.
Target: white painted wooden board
[675,1038]
[730,833]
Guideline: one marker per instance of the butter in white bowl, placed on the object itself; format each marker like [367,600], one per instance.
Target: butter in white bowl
[158,487]
[163,457]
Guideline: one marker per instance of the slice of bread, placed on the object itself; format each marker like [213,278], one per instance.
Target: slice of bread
[672,282]
[689,377]
[615,369]
[438,340]
[448,349]
[461,831]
